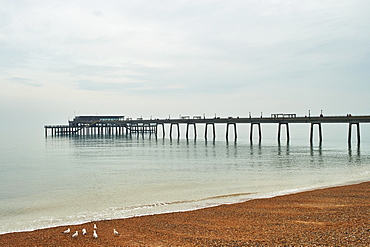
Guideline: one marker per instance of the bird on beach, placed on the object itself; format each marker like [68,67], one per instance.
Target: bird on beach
[95,235]
[75,234]
[67,231]
[84,231]
[115,232]
[95,226]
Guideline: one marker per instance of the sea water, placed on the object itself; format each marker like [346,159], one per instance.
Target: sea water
[52,181]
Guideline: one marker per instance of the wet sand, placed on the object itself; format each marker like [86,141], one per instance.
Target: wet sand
[338,216]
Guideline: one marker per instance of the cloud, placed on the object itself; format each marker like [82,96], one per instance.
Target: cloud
[25,81]
[97,13]
[148,49]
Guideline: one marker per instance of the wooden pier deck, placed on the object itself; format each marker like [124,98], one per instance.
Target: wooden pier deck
[118,125]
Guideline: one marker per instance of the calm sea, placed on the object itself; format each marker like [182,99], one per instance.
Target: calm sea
[68,180]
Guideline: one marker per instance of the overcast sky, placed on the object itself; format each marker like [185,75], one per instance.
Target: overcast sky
[167,57]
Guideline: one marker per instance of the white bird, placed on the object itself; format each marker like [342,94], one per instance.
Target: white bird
[67,231]
[84,231]
[95,235]
[95,226]
[115,232]
[75,234]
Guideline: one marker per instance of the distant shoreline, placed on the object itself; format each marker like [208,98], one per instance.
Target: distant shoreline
[331,216]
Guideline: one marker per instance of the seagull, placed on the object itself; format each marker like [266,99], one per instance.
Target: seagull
[84,231]
[95,235]
[115,232]
[67,231]
[95,226]
[75,234]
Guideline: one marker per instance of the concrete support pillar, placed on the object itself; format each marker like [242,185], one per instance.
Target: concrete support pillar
[287,131]
[156,129]
[320,133]
[187,130]
[206,130]
[259,132]
[227,131]
[178,130]
[350,133]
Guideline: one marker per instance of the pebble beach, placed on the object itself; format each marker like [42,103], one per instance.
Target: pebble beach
[338,216]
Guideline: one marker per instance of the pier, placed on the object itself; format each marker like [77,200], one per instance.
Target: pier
[119,125]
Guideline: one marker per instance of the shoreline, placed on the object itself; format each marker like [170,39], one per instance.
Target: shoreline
[330,216]
[267,195]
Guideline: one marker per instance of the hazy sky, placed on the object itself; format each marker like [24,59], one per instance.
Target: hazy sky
[155,58]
